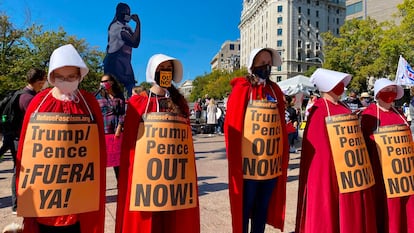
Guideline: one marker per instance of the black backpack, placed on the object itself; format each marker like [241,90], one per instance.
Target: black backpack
[10,113]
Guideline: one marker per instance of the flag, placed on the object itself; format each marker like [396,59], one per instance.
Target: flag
[405,74]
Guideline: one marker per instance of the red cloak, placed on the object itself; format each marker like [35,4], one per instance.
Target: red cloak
[233,128]
[186,220]
[90,222]
[321,208]
[393,214]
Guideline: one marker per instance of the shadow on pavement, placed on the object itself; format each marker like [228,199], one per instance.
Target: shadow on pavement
[6,171]
[5,202]
[111,198]
[293,166]
[206,188]
[292,178]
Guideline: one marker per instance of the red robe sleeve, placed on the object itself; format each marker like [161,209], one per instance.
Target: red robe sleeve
[320,207]
[233,128]
[93,222]
[186,220]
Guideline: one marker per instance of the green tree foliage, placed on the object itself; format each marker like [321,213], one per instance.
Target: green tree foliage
[22,49]
[355,51]
[366,48]
[216,84]
[11,50]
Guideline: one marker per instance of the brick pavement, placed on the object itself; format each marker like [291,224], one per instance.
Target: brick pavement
[212,181]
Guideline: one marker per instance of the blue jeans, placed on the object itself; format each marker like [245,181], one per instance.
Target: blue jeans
[256,198]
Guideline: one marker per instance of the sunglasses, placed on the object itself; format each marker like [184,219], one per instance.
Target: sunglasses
[104,81]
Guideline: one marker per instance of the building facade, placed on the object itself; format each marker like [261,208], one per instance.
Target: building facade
[380,10]
[291,27]
[228,58]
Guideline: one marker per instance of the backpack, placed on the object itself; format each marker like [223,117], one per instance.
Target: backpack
[11,115]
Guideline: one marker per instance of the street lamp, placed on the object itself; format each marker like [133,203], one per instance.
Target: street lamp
[314,58]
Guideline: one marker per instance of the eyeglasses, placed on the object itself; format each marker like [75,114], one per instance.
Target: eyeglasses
[104,81]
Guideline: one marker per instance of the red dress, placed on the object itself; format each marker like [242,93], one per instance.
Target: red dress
[321,208]
[185,220]
[90,222]
[393,214]
[233,128]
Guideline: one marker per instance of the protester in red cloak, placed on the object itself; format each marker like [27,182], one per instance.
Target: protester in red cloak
[393,214]
[166,100]
[256,86]
[66,71]
[321,207]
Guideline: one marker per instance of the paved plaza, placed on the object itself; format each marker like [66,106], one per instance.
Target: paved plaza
[212,181]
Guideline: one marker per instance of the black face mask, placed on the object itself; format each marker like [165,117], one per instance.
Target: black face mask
[262,72]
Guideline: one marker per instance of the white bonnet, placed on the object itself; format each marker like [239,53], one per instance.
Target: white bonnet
[383,83]
[276,60]
[66,55]
[157,59]
[325,80]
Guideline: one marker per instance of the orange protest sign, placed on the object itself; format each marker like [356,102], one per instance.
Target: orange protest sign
[60,166]
[396,153]
[350,155]
[165,78]
[262,142]
[164,172]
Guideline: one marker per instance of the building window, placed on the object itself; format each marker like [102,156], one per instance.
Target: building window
[231,46]
[279,20]
[337,21]
[317,46]
[308,11]
[279,9]
[308,34]
[309,23]
[299,44]
[299,10]
[317,35]
[278,78]
[279,31]
[279,68]
[317,13]
[299,56]
[317,3]
[354,8]
[299,21]
[279,43]
[317,24]
[299,32]
[299,68]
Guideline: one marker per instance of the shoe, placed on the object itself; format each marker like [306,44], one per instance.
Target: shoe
[14,212]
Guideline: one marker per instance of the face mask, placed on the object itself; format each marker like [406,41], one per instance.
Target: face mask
[127,18]
[163,78]
[262,72]
[387,96]
[106,85]
[338,89]
[66,87]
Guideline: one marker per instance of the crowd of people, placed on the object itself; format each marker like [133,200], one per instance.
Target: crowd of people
[356,158]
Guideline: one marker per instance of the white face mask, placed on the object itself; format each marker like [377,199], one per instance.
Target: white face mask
[66,87]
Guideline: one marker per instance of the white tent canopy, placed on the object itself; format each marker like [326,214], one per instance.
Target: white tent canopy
[297,84]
